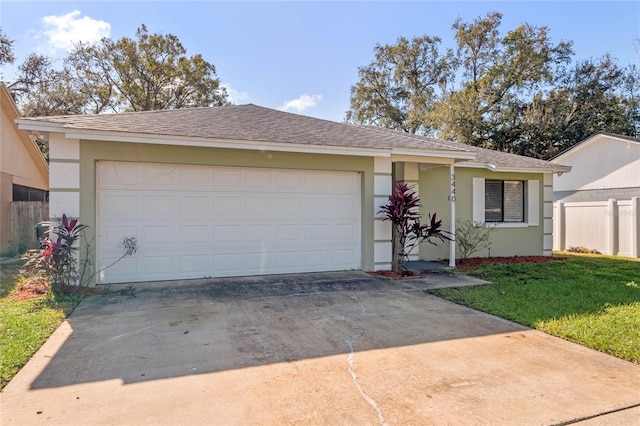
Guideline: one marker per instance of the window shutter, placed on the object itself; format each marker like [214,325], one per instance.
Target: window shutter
[478,200]
[533,203]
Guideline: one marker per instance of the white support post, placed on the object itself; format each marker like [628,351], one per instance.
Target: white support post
[452,214]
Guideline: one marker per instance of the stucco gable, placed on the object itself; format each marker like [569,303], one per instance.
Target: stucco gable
[20,157]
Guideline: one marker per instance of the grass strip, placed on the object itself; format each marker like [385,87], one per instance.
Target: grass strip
[25,324]
[590,300]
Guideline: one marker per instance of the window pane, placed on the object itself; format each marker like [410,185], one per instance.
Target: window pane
[513,201]
[493,201]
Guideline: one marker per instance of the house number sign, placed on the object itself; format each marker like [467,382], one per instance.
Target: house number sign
[452,197]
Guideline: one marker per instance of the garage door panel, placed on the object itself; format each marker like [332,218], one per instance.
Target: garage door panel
[316,207]
[195,221]
[259,262]
[344,258]
[156,236]
[258,206]
[287,181]
[316,181]
[156,266]
[155,205]
[196,178]
[196,264]
[198,205]
[288,233]
[343,232]
[159,176]
[226,179]
[112,236]
[228,262]
[317,258]
[289,206]
[117,205]
[259,233]
[122,271]
[193,235]
[345,183]
[227,205]
[316,232]
[112,177]
[258,179]
[288,261]
[227,233]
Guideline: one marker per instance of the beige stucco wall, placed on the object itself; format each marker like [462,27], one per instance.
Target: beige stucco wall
[92,151]
[20,163]
[434,194]
[16,158]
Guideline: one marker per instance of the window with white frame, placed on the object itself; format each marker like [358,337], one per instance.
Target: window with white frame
[506,203]
[503,201]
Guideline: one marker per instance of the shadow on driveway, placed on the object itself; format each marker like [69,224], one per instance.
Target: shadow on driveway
[173,329]
[335,348]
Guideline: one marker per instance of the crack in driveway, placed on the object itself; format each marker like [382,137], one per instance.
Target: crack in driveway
[350,359]
[354,376]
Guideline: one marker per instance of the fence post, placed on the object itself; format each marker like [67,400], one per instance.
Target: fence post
[635,227]
[559,225]
[612,222]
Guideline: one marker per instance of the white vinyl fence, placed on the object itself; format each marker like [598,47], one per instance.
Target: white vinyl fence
[611,227]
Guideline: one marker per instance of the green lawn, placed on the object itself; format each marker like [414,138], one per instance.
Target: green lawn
[25,325]
[590,300]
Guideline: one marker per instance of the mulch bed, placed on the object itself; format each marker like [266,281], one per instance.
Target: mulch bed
[393,276]
[32,289]
[463,265]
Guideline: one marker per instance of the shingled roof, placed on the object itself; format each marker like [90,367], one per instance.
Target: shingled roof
[246,123]
[253,123]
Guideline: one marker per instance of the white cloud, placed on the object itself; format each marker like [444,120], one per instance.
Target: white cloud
[300,104]
[63,30]
[236,96]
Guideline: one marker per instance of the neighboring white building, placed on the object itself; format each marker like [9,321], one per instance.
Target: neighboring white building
[596,205]
[604,166]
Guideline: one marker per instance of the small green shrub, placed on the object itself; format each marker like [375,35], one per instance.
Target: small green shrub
[471,237]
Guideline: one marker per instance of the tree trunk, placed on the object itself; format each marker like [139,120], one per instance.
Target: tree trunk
[396,253]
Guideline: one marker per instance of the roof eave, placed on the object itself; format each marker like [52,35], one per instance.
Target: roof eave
[551,168]
[110,136]
[456,155]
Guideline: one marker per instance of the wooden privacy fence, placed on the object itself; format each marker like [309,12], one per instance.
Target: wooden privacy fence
[611,227]
[25,215]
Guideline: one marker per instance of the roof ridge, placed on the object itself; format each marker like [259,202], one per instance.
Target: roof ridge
[441,142]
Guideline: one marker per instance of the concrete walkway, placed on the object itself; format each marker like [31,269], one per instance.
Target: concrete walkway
[339,348]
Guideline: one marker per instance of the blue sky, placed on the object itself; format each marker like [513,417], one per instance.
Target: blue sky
[304,56]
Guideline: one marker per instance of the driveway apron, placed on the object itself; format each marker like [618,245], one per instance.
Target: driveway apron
[332,348]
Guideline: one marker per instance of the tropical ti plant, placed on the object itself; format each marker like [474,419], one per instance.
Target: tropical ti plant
[56,261]
[408,231]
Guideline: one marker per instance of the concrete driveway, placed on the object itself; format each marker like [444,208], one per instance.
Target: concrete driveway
[339,348]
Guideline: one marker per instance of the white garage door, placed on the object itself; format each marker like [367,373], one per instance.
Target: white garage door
[197,221]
